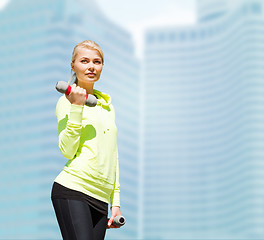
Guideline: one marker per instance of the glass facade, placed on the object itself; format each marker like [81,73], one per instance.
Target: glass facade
[203,127]
[36,42]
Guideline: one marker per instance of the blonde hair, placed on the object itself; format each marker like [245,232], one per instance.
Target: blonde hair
[85,44]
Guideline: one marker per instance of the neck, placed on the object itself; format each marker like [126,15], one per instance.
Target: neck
[86,85]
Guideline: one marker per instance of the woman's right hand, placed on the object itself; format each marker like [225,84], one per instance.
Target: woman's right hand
[77,95]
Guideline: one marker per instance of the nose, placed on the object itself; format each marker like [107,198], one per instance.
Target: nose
[91,66]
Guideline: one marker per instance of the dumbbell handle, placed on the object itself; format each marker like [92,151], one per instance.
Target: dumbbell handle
[119,221]
[63,87]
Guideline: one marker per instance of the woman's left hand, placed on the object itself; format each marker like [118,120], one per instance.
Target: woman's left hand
[115,211]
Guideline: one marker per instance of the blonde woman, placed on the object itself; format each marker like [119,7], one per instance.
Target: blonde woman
[87,138]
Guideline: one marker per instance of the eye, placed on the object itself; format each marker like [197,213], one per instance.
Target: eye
[97,62]
[84,61]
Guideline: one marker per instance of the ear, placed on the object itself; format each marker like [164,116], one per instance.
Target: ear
[72,66]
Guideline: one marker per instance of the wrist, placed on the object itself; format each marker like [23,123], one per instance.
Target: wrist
[77,103]
[115,207]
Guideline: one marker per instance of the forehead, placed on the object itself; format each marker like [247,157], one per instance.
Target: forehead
[87,52]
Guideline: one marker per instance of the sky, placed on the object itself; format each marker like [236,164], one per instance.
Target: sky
[138,15]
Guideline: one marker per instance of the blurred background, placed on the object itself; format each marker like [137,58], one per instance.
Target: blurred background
[187,83]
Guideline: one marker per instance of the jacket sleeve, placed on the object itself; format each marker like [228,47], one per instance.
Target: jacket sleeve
[115,195]
[69,127]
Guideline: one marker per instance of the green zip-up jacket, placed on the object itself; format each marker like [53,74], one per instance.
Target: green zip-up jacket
[88,139]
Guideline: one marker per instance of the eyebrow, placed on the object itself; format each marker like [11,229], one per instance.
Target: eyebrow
[97,58]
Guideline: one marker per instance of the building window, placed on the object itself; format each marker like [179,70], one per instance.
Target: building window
[182,36]
[161,37]
[256,8]
[150,38]
[172,37]
[193,35]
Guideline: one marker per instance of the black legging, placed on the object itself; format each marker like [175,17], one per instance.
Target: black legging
[78,221]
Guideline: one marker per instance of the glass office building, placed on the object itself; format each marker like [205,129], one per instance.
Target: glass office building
[204,125]
[36,42]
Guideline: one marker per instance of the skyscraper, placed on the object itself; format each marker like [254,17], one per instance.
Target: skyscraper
[203,125]
[36,42]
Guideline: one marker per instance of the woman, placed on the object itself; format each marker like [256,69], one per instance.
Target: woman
[87,138]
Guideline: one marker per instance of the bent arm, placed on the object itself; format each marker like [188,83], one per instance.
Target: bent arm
[69,128]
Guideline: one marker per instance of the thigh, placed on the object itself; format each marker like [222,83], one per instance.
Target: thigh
[74,218]
[99,224]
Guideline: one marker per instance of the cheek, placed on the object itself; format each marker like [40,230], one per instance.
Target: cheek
[80,68]
[99,70]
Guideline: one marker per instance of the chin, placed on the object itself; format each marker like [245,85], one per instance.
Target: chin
[89,80]
[92,80]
